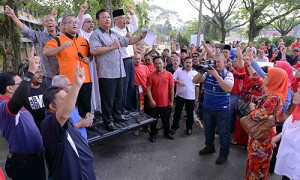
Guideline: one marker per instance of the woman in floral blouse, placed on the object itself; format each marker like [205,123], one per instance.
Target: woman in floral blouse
[260,151]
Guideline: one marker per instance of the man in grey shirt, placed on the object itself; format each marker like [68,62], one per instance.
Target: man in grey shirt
[49,65]
[104,46]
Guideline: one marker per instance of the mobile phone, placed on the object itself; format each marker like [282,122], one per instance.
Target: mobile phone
[90,117]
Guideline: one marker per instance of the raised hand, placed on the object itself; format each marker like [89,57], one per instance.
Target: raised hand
[34,62]
[129,9]
[79,75]
[144,34]
[84,6]
[9,12]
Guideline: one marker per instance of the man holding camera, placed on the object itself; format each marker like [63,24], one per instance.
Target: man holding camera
[218,83]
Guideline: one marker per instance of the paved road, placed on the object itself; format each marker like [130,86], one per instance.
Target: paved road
[131,157]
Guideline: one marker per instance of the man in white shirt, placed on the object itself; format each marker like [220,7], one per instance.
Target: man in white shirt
[187,94]
[122,28]
[261,57]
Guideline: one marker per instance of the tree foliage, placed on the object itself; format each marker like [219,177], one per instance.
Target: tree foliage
[222,12]
[285,24]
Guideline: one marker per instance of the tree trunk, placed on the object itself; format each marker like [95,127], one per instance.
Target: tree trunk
[223,34]
[10,41]
[251,29]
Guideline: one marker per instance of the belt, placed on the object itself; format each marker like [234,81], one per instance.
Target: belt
[22,156]
[128,58]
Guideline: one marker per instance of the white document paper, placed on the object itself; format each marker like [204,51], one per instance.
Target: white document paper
[150,38]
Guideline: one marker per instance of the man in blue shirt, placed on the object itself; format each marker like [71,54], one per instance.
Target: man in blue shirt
[25,159]
[218,83]
[71,155]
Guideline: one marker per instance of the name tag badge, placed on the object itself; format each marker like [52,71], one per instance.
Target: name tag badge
[140,89]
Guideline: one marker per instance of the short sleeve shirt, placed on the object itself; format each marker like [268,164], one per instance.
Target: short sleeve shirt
[160,84]
[109,65]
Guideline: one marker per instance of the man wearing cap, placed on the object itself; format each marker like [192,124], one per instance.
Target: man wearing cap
[105,46]
[296,44]
[127,54]
[226,52]
[183,55]
[49,65]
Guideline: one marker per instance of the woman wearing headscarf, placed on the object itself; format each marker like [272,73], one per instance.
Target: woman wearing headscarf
[289,70]
[288,158]
[260,151]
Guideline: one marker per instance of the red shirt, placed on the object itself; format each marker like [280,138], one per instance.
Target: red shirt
[151,67]
[160,84]
[294,45]
[237,81]
[140,76]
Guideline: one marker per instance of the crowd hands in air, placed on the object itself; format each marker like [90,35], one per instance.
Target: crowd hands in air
[82,71]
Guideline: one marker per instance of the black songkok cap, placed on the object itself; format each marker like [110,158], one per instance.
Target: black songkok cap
[118,12]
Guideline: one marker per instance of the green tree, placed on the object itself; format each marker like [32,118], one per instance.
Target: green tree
[261,13]
[285,24]
[223,14]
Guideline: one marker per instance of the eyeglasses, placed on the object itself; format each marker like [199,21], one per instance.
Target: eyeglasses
[71,22]
[195,56]
[14,84]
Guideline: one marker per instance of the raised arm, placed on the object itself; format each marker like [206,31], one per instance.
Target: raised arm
[10,13]
[22,92]
[65,109]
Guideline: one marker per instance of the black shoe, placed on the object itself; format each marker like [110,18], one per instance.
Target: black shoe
[169,136]
[110,126]
[221,160]
[173,131]
[152,138]
[121,120]
[188,132]
[125,113]
[207,150]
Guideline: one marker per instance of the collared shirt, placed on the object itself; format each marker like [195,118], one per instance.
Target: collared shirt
[187,91]
[68,57]
[109,65]
[126,51]
[49,65]
[160,85]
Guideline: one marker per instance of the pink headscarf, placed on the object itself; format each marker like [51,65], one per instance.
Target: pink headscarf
[288,68]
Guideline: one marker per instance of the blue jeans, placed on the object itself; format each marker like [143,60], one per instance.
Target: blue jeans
[219,118]
[233,100]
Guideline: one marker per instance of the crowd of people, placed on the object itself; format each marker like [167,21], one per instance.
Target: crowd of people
[81,72]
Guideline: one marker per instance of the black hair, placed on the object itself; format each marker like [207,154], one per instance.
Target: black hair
[196,54]
[187,58]
[147,54]
[174,53]
[99,12]
[156,57]
[49,95]
[166,50]
[64,19]
[6,79]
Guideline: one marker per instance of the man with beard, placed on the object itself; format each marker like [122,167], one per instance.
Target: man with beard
[34,103]
[49,64]
[187,93]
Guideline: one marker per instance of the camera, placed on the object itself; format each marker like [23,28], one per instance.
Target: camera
[206,65]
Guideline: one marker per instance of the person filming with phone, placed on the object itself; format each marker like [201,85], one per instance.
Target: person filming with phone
[218,83]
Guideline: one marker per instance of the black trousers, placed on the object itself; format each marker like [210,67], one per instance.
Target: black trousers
[111,98]
[84,99]
[31,168]
[128,84]
[189,107]
[164,113]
